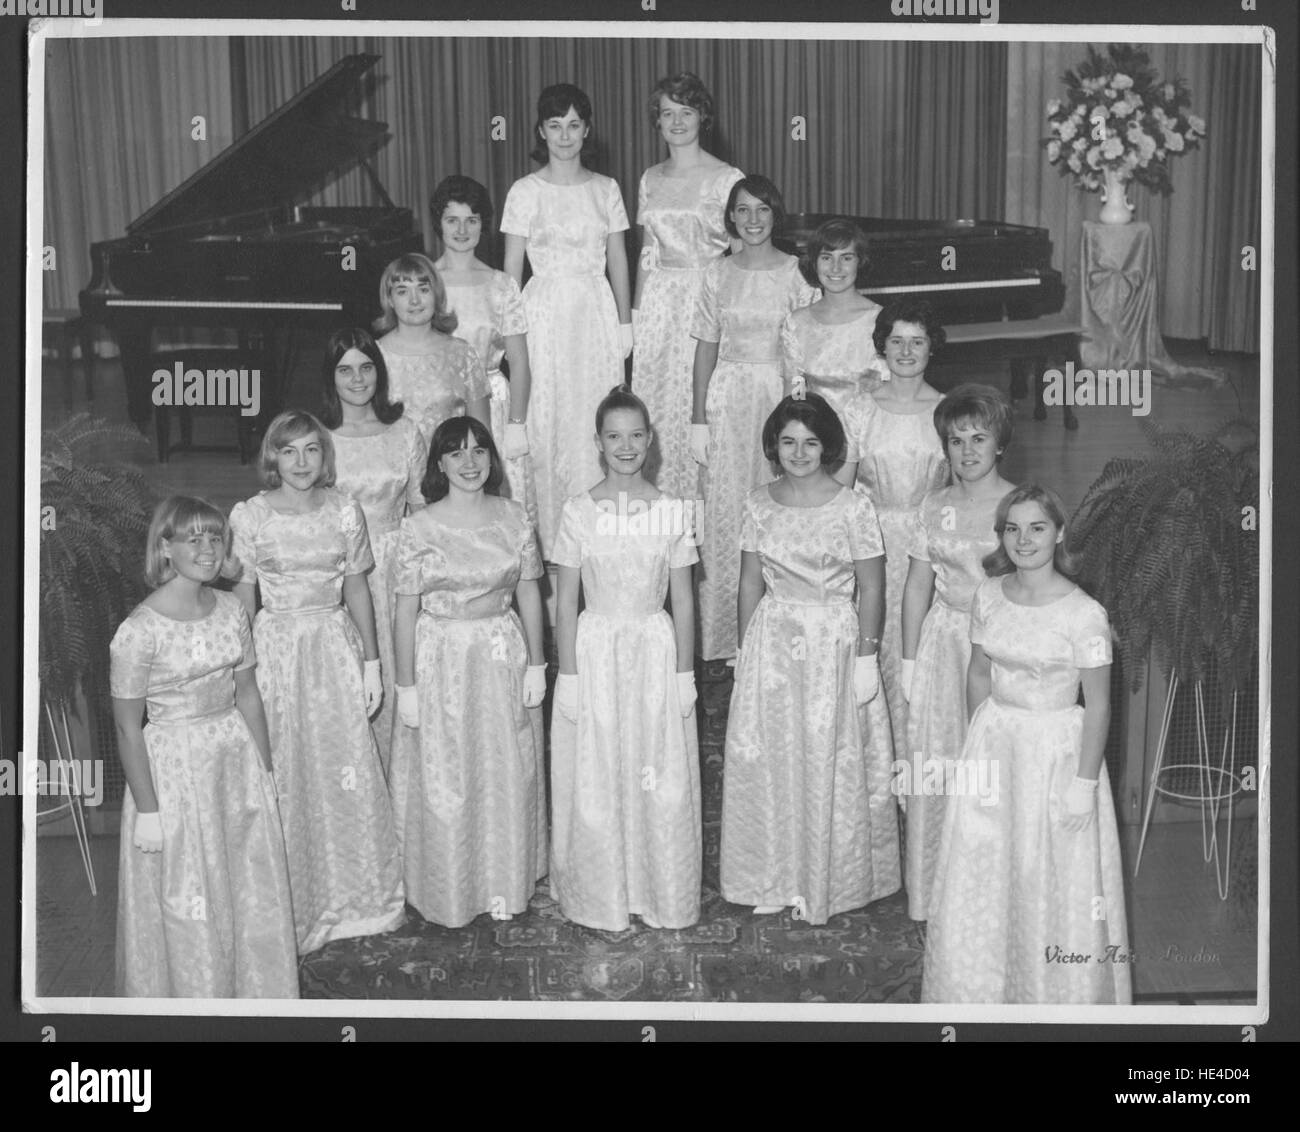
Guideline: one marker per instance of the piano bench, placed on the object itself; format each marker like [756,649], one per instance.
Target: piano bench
[1026,345]
[59,330]
[203,359]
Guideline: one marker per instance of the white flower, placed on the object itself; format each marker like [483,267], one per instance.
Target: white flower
[1099,113]
[1080,111]
[1121,81]
[1054,107]
[1074,163]
[1094,157]
[1160,154]
[1159,115]
[1067,129]
[1170,92]
[1195,125]
[1108,93]
[1121,109]
[1173,141]
[1080,144]
[1146,146]
[1053,151]
[1131,160]
[1112,148]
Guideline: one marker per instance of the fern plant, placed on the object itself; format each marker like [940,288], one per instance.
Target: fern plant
[95,511]
[1168,545]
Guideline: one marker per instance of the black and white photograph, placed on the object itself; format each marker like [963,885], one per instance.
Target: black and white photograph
[638,520]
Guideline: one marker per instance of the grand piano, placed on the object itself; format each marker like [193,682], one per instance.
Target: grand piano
[969,270]
[233,246]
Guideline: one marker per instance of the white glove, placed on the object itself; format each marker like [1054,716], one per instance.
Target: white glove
[147,834]
[516,441]
[534,685]
[686,693]
[700,443]
[909,668]
[866,679]
[625,338]
[1080,804]
[374,683]
[408,706]
[566,695]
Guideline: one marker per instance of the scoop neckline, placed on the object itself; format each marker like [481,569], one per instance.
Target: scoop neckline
[1002,589]
[795,507]
[183,620]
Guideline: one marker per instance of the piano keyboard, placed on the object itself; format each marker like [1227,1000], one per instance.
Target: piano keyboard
[223,304]
[966,285]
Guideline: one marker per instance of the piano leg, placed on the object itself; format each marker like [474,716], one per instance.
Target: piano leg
[87,338]
[133,344]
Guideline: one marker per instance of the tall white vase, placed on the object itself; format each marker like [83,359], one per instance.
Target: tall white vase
[1117,209]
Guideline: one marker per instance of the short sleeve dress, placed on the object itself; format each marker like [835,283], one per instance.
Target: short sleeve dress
[574,351]
[684,233]
[436,384]
[210,916]
[1023,911]
[953,538]
[899,459]
[383,473]
[625,779]
[834,360]
[808,814]
[487,313]
[468,786]
[742,311]
[345,871]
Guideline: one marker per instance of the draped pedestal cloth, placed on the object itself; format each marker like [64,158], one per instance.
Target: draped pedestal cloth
[1119,296]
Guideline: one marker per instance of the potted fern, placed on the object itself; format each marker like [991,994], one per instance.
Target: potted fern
[95,511]
[1167,543]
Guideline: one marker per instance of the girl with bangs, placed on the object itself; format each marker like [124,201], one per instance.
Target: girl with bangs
[1029,874]
[489,312]
[433,374]
[203,887]
[379,459]
[827,347]
[467,770]
[303,545]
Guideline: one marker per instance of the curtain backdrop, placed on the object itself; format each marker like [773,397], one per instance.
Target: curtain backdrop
[899,129]
[812,115]
[1200,229]
[118,131]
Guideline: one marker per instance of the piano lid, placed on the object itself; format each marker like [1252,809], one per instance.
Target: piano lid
[279,161]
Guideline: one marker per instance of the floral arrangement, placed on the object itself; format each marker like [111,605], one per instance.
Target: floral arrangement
[1118,115]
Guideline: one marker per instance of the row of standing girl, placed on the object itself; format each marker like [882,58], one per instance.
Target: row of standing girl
[808,816]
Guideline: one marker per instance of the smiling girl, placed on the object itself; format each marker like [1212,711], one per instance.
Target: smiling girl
[625,774]
[897,458]
[379,459]
[568,222]
[680,207]
[435,375]
[1033,868]
[467,751]
[827,348]
[303,545]
[952,533]
[737,381]
[200,828]
[808,819]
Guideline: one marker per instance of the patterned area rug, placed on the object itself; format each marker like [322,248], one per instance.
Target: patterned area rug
[874,954]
